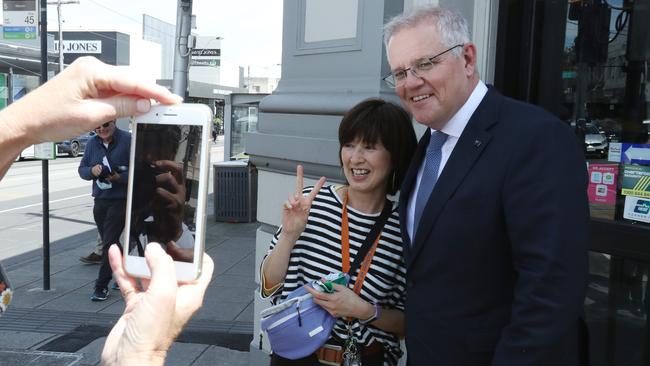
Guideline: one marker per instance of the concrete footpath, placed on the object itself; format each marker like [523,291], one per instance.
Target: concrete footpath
[63,327]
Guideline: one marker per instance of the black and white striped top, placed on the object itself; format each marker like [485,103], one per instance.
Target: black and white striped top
[318,253]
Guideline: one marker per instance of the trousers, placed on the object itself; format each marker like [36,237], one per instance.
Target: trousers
[109,215]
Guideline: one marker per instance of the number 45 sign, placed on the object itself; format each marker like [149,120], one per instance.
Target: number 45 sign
[20,19]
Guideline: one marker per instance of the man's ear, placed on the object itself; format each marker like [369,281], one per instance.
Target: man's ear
[469,56]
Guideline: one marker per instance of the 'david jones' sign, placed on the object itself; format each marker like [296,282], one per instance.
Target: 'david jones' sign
[71,46]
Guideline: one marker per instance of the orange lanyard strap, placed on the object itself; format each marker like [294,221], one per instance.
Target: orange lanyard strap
[345,250]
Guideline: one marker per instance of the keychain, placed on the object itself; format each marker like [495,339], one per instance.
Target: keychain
[351,355]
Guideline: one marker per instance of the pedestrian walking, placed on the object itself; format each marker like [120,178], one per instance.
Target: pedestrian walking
[105,163]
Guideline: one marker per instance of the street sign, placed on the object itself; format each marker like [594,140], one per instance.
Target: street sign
[20,19]
[206,57]
[45,151]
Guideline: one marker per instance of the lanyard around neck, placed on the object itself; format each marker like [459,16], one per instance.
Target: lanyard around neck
[345,250]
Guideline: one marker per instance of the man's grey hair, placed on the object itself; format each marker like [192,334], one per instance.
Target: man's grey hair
[450,25]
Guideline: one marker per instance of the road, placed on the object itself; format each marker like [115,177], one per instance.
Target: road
[21,211]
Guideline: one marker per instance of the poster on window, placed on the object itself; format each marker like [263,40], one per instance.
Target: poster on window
[637,208]
[602,183]
[636,181]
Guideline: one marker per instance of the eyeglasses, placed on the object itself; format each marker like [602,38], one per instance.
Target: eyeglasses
[398,77]
[105,125]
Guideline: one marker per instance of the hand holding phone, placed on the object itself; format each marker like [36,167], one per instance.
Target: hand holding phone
[167,190]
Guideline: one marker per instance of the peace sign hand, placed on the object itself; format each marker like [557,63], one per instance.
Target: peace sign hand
[295,209]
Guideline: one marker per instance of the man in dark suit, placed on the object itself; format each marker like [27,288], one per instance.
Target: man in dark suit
[494,210]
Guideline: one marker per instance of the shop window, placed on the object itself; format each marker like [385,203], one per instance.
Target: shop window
[244,119]
[605,82]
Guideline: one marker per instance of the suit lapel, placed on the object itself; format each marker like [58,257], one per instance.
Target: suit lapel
[469,147]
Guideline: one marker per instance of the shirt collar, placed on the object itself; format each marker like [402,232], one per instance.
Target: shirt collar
[457,123]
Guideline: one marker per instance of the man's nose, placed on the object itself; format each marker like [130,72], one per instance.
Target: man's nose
[412,79]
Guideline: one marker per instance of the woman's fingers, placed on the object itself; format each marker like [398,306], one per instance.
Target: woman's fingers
[299,179]
[317,188]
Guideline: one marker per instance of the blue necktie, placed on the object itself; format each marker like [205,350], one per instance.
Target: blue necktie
[429,175]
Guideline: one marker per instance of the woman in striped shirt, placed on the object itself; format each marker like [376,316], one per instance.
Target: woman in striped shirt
[376,143]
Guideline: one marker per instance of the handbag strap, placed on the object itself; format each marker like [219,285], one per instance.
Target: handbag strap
[371,240]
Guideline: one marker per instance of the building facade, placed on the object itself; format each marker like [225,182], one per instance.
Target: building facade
[583,60]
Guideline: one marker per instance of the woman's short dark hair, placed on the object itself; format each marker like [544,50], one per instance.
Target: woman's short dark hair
[376,120]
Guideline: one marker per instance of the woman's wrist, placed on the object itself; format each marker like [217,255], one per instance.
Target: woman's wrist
[372,315]
[288,238]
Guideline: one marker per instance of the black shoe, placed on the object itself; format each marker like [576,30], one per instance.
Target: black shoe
[92,258]
[100,294]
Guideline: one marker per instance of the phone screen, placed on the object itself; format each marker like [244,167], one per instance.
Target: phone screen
[165,185]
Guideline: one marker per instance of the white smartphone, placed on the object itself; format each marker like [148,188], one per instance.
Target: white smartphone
[167,189]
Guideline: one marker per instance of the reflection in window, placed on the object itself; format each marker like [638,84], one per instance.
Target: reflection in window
[605,101]
[616,307]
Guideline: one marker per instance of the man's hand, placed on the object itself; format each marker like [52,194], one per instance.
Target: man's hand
[96,170]
[114,177]
[169,206]
[152,318]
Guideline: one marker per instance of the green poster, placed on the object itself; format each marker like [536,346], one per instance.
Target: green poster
[636,181]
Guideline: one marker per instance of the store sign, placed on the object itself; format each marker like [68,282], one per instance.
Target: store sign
[211,52]
[637,208]
[206,57]
[20,19]
[602,183]
[614,152]
[83,47]
[636,181]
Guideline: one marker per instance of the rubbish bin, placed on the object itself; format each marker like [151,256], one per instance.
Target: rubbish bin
[235,191]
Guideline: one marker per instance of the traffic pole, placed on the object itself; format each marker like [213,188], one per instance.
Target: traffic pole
[182,49]
[44,162]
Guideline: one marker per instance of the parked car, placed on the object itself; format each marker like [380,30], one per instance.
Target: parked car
[596,142]
[74,146]
[610,127]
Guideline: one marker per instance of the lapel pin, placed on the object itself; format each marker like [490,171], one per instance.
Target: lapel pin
[477,143]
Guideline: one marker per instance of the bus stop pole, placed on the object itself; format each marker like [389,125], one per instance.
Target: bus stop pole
[44,162]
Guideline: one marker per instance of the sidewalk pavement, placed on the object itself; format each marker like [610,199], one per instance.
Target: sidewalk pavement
[63,327]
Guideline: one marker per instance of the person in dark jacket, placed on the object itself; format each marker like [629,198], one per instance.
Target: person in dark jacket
[495,245]
[105,162]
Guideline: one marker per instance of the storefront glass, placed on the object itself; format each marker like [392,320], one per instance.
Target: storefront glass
[586,61]
[616,310]
[605,100]
[244,119]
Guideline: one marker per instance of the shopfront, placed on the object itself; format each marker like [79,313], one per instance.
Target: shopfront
[587,62]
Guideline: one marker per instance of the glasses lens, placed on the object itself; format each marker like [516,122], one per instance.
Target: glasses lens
[423,66]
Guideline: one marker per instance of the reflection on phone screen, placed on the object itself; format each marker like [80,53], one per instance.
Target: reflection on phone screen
[165,189]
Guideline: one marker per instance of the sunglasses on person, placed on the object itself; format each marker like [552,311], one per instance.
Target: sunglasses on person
[105,125]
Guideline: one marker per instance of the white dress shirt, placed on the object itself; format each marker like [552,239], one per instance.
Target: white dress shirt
[454,128]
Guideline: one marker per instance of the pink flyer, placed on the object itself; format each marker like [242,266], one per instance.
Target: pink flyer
[602,183]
